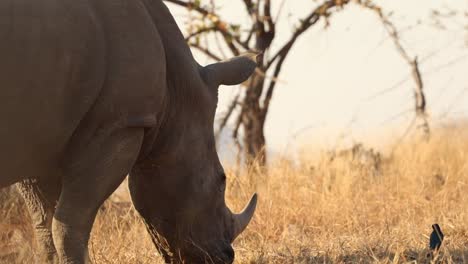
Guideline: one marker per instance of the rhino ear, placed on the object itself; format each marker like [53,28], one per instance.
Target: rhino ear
[230,72]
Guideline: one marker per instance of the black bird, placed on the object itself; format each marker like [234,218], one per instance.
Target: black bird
[436,238]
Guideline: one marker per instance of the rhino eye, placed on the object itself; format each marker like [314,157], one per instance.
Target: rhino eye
[223,177]
[222,186]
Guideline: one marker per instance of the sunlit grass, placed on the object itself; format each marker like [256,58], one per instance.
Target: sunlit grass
[315,210]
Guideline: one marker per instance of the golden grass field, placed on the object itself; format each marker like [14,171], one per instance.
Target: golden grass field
[311,210]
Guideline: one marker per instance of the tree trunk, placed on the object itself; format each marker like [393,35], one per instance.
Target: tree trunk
[253,121]
[254,138]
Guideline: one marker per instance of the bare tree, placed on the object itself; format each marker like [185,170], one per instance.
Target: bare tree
[249,109]
[419,97]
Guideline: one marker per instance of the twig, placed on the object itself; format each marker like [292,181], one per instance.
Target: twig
[271,88]
[280,10]
[420,99]
[190,5]
[199,32]
[206,51]
[249,5]
[219,25]
[307,22]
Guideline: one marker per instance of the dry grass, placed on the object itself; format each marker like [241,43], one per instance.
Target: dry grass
[312,211]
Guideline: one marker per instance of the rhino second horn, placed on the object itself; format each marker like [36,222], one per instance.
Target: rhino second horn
[242,220]
[231,72]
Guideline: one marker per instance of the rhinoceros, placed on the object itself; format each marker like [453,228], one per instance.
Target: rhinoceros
[95,90]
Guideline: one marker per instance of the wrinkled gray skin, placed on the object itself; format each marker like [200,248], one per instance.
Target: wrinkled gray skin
[93,90]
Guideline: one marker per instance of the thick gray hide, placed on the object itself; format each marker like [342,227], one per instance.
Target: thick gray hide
[94,90]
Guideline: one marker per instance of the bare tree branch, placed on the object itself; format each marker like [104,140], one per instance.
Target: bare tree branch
[258,37]
[190,6]
[219,41]
[249,36]
[420,99]
[252,10]
[199,32]
[391,29]
[206,51]
[224,120]
[307,22]
[228,39]
[218,24]
[271,87]
[267,15]
[280,10]
[249,5]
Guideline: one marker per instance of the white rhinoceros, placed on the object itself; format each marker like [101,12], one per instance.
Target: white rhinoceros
[93,90]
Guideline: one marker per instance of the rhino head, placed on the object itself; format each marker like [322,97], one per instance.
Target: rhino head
[179,187]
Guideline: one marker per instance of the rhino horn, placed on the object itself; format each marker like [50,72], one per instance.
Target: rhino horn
[242,220]
[231,72]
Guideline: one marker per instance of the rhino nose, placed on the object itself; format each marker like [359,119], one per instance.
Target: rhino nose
[229,254]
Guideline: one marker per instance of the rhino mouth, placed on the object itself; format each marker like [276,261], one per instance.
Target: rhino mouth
[189,251]
[217,252]
[220,252]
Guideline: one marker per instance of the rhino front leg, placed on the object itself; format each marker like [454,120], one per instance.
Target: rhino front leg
[40,196]
[94,172]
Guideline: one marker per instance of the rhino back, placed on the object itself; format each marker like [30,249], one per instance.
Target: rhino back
[63,69]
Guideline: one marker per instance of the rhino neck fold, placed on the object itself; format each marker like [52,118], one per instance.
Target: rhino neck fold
[183,72]
[185,86]
[178,54]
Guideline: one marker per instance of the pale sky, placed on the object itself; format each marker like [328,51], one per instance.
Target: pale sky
[329,80]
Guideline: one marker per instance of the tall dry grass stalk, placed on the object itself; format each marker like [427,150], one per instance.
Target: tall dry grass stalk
[315,210]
